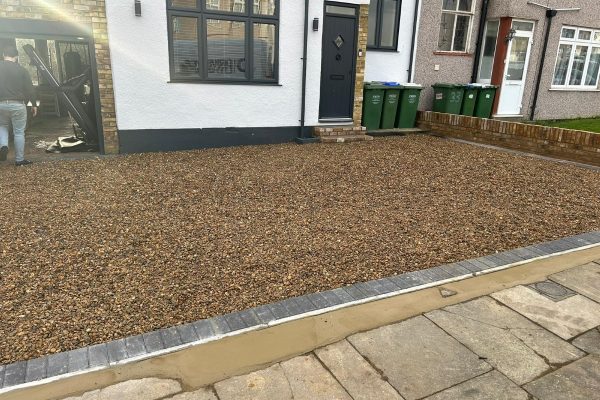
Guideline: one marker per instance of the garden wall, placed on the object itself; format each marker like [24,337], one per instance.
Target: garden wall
[580,146]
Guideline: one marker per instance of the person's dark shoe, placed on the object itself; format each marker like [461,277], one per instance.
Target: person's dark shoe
[3,153]
[24,162]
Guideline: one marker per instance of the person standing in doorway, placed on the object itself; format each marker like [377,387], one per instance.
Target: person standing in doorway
[16,90]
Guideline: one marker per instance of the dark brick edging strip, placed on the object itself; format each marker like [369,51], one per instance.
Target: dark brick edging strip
[167,340]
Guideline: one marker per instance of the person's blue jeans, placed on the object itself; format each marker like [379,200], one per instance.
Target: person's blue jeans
[17,113]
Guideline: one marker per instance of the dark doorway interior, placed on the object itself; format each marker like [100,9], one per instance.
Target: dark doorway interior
[338,69]
[66,59]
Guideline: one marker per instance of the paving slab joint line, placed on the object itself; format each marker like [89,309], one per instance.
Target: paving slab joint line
[330,373]
[299,316]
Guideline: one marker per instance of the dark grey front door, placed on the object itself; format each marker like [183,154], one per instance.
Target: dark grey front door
[339,61]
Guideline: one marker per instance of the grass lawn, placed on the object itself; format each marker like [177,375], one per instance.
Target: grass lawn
[96,250]
[583,124]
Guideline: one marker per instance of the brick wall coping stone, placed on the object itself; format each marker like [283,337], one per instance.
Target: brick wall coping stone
[135,348]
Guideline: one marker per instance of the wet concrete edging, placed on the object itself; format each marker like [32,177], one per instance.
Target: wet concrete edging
[109,360]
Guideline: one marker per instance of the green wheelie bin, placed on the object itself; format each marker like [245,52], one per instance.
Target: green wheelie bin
[485,101]
[448,98]
[469,100]
[409,105]
[390,105]
[373,105]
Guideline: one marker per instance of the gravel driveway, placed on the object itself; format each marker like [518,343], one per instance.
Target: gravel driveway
[95,250]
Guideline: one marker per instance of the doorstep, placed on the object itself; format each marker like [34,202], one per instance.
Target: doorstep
[210,350]
[341,134]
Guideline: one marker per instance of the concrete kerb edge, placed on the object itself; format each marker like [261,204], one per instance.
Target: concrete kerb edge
[312,313]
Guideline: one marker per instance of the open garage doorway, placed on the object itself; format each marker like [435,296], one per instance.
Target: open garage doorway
[60,61]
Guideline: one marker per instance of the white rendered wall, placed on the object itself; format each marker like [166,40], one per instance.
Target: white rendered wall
[145,100]
[394,66]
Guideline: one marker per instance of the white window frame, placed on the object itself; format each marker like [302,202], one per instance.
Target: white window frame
[488,81]
[457,12]
[574,43]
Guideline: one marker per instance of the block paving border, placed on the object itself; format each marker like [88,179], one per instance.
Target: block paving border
[167,340]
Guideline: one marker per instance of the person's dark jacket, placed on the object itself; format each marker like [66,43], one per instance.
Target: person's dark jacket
[15,83]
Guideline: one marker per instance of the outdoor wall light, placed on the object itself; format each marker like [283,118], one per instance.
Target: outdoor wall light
[510,36]
[138,8]
[316,24]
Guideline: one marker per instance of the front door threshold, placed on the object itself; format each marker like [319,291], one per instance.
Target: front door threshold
[336,120]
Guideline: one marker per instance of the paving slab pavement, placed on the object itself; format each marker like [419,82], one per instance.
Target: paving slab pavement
[359,378]
[265,384]
[584,280]
[309,380]
[577,381]
[589,341]
[566,318]
[508,341]
[491,386]
[418,358]
[201,394]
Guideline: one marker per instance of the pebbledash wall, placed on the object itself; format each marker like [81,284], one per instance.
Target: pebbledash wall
[555,142]
[92,15]
[150,109]
[553,103]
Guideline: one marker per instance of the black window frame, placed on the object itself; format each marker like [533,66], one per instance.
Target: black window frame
[202,13]
[379,27]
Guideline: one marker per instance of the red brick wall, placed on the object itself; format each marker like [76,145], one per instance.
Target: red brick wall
[561,143]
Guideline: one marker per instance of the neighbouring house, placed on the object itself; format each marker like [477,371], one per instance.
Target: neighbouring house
[181,74]
[544,56]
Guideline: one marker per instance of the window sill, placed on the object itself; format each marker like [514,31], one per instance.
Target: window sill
[568,89]
[452,53]
[382,50]
[243,83]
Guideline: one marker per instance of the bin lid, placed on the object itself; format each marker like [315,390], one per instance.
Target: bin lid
[412,86]
[391,84]
[375,85]
[447,85]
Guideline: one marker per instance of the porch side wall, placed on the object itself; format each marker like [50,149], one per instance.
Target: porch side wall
[90,13]
[394,65]
[555,142]
[453,67]
[552,103]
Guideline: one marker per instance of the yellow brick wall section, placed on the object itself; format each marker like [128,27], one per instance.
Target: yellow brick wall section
[363,26]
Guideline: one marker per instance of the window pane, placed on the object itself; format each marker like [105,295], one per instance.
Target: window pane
[449,5]
[523,26]
[238,6]
[462,31]
[372,22]
[489,50]
[585,35]
[264,7]
[185,46]
[568,33]
[226,46]
[591,78]
[578,65]
[388,23]
[184,3]
[517,58]
[341,10]
[596,36]
[446,30]
[264,51]
[562,64]
[465,5]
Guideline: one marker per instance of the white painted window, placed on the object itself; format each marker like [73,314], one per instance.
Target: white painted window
[455,25]
[578,60]
[488,52]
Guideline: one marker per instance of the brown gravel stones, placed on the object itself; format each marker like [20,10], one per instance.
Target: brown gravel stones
[91,251]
